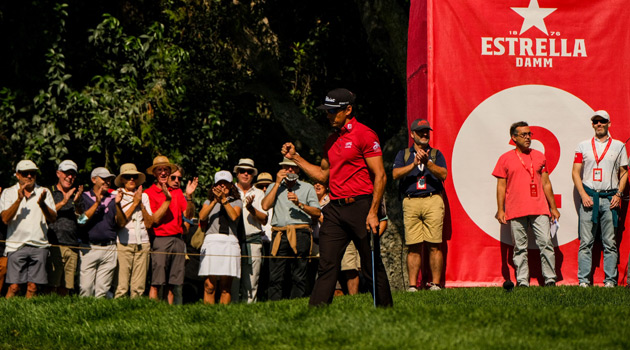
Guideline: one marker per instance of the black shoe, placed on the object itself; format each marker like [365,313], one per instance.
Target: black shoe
[522,285]
[550,284]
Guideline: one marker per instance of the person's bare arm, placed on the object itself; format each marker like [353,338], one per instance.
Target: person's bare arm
[49,213]
[121,219]
[158,215]
[376,168]
[501,186]
[190,204]
[318,173]
[546,184]
[576,174]
[257,214]
[623,177]
[10,212]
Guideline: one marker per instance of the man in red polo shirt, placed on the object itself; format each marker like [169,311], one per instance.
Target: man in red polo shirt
[353,166]
[168,205]
[525,199]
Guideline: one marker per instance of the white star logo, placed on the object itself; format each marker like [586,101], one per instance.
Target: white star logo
[533,16]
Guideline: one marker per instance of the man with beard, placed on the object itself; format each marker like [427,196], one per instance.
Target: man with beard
[421,170]
[168,248]
[525,199]
[26,208]
[600,175]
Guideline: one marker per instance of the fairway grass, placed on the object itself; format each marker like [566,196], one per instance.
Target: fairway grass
[462,318]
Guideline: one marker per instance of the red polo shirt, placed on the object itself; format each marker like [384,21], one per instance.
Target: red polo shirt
[172,220]
[519,200]
[346,150]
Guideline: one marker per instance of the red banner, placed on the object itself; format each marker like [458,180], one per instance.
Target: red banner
[491,63]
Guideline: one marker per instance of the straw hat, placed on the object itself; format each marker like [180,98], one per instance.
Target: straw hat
[161,161]
[287,161]
[246,163]
[263,179]
[129,169]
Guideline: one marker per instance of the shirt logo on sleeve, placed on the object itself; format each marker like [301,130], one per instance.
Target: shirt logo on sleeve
[376,146]
[349,144]
[578,158]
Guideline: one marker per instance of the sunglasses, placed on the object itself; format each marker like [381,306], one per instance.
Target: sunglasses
[130,177]
[335,110]
[249,171]
[600,121]
[178,178]
[27,173]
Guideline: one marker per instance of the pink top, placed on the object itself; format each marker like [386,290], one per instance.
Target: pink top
[519,201]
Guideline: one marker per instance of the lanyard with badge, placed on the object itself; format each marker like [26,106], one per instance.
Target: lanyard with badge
[421,183]
[533,190]
[597,171]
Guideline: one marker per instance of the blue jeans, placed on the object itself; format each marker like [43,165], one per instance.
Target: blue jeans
[587,231]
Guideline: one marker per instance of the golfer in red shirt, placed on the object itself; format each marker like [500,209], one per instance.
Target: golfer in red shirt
[353,166]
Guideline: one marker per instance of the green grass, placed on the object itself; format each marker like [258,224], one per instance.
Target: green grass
[466,318]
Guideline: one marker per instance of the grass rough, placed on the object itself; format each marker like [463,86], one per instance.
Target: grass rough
[465,318]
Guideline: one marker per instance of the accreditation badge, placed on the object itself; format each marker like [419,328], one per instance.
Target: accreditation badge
[421,184]
[533,190]
[597,174]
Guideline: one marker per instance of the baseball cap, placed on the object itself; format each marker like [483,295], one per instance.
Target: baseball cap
[26,164]
[601,113]
[338,98]
[223,175]
[101,172]
[68,165]
[420,124]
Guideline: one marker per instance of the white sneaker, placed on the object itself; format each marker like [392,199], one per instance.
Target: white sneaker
[433,286]
[584,285]
[412,289]
[609,285]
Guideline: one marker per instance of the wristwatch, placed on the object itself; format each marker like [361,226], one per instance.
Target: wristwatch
[301,206]
[619,194]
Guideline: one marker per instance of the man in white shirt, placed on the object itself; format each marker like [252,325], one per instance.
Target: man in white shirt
[26,208]
[253,218]
[600,176]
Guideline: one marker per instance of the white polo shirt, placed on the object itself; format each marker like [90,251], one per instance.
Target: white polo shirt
[614,158]
[28,226]
[252,226]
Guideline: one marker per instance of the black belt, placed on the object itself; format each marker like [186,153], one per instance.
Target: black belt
[350,200]
[103,243]
[422,195]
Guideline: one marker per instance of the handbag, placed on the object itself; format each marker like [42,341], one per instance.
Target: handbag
[196,241]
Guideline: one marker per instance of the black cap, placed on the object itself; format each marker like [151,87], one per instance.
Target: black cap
[420,124]
[338,98]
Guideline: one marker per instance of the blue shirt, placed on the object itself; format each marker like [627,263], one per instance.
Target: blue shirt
[102,225]
[409,184]
[286,212]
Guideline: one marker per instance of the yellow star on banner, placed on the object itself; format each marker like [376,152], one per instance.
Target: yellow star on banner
[533,16]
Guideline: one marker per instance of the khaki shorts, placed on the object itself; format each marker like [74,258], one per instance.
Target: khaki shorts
[62,266]
[424,219]
[351,259]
